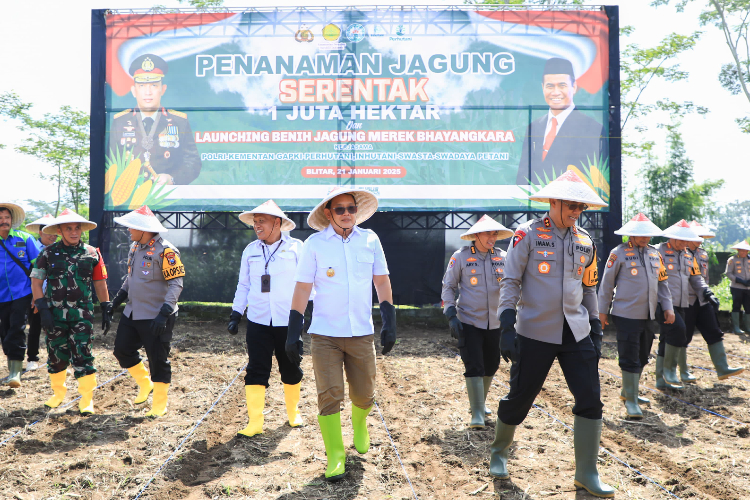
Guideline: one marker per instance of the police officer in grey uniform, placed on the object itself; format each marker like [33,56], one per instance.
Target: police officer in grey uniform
[738,272]
[684,279]
[703,314]
[476,271]
[151,289]
[636,276]
[550,278]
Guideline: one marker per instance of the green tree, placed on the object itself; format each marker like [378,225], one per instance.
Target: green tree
[11,106]
[732,17]
[62,141]
[732,222]
[668,192]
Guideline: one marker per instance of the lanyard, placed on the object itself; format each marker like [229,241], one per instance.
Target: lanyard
[270,257]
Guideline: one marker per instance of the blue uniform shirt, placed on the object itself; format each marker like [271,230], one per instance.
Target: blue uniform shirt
[14,283]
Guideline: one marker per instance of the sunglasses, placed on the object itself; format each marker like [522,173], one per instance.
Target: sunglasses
[576,206]
[352,209]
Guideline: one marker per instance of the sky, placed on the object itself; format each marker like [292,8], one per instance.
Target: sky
[46,60]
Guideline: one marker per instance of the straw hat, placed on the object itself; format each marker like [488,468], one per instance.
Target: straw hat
[742,245]
[142,219]
[34,227]
[268,208]
[68,217]
[640,225]
[487,223]
[702,231]
[568,187]
[367,204]
[17,214]
[682,231]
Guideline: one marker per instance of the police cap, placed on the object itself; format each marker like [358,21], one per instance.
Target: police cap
[148,68]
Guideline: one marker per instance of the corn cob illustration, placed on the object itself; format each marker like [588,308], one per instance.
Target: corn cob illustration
[123,188]
[140,195]
[109,178]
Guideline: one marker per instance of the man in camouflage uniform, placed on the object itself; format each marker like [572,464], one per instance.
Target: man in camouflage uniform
[66,309]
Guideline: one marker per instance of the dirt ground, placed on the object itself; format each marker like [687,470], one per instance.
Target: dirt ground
[421,400]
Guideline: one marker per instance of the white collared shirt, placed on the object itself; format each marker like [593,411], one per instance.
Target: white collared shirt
[270,308]
[560,118]
[341,274]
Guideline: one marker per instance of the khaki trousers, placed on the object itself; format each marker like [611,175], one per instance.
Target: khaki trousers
[357,355]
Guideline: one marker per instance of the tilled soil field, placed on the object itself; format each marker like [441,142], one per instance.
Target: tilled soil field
[692,444]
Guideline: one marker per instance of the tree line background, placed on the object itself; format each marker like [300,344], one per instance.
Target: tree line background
[664,187]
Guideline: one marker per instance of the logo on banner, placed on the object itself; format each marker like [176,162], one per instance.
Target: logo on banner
[331,32]
[355,32]
[304,34]
[400,30]
[376,32]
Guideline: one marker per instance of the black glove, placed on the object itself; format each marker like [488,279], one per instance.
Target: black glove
[457,329]
[388,331]
[741,281]
[293,345]
[159,323]
[45,315]
[119,299]
[712,299]
[234,322]
[106,318]
[308,316]
[508,336]
[596,335]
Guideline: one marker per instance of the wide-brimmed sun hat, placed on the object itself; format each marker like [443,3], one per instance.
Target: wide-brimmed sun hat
[17,214]
[367,204]
[34,227]
[487,223]
[702,230]
[142,219]
[682,231]
[640,225]
[568,187]
[742,245]
[68,216]
[269,208]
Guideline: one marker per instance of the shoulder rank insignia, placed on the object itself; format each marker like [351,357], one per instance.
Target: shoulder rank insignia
[177,113]
[122,113]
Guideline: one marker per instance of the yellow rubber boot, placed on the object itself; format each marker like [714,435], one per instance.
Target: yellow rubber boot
[57,381]
[256,400]
[291,397]
[159,402]
[142,378]
[86,386]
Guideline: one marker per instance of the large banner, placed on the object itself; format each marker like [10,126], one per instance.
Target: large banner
[429,109]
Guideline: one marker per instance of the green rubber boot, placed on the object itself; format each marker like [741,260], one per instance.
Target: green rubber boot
[630,387]
[641,400]
[685,374]
[586,436]
[475,389]
[15,368]
[487,381]
[359,425]
[330,428]
[660,384]
[719,358]
[747,322]
[736,323]
[670,367]
[500,449]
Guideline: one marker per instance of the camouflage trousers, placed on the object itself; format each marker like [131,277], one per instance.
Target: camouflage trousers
[70,343]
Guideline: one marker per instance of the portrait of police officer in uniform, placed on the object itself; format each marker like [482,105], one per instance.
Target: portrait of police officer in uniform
[564,135]
[160,137]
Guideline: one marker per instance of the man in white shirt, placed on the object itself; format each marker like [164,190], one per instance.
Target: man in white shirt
[340,263]
[265,288]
